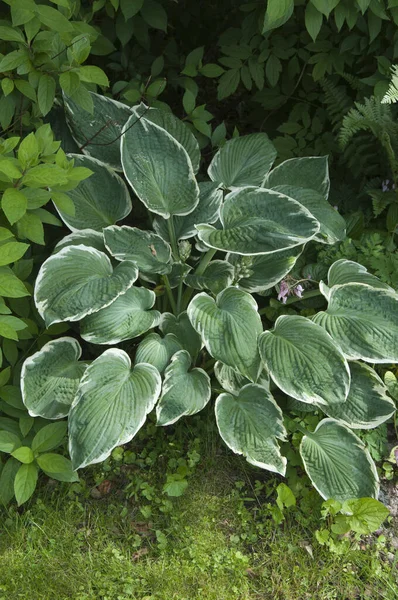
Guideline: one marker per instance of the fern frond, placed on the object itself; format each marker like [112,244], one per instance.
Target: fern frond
[337,101]
[370,116]
[391,94]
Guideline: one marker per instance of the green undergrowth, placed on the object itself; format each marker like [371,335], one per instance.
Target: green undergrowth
[217,541]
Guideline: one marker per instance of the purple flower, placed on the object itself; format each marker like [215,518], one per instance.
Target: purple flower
[283,291]
[298,291]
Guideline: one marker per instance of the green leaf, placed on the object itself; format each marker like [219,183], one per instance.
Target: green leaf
[9,168]
[337,463]
[111,406]
[93,74]
[26,89]
[285,497]
[264,271]
[45,175]
[231,380]
[127,317]
[259,221]
[333,225]
[49,437]
[154,14]
[157,351]
[98,134]
[175,127]
[367,404]
[53,19]
[189,101]
[325,6]
[46,93]
[14,204]
[12,60]
[347,271]
[313,20]
[150,253]
[5,375]
[184,392]
[211,70]
[273,69]
[158,169]
[11,252]
[304,172]
[31,227]
[78,281]
[93,209]
[63,203]
[25,482]
[277,13]
[85,237]
[11,34]
[207,211]
[243,161]
[24,454]
[69,82]
[218,275]
[7,478]
[228,83]
[130,8]
[250,424]
[229,327]
[304,362]
[28,151]
[8,441]
[362,321]
[10,285]
[50,378]
[181,327]
[57,467]
[366,515]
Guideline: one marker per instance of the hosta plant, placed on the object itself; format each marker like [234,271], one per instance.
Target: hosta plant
[168,317]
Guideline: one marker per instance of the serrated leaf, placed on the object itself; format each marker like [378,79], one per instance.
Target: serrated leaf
[228,83]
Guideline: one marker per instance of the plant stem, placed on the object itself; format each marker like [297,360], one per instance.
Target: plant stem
[206,258]
[173,239]
[293,299]
[170,294]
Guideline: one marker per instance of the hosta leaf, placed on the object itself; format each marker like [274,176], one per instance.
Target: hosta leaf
[363,321]
[210,198]
[218,275]
[158,169]
[347,271]
[111,405]
[175,127]
[309,171]
[264,271]
[150,253]
[250,424]
[367,404]
[243,161]
[91,198]
[304,362]
[85,237]
[98,134]
[338,464]
[229,379]
[333,226]
[184,392]
[157,351]
[78,281]
[259,221]
[181,327]
[229,327]
[126,318]
[50,378]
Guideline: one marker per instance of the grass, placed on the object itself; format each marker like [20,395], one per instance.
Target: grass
[204,545]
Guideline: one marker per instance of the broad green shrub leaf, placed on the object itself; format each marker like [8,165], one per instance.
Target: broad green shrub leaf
[367,404]
[210,199]
[24,454]
[10,285]
[127,317]
[7,478]
[300,172]
[250,424]
[57,467]
[181,327]
[304,361]
[158,169]
[85,237]
[98,134]
[347,271]
[366,514]
[264,271]
[150,253]
[338,463]
[259,221]
[363,321]
[243,161]
[333,226]
[277,13]
[111,405]
[229,327]
[49,437]
[218,275]
[175,127]
[25,482]
[9,441]
[78,281]
[91,198]
[50,378]
[11,252]
[157,351]
[229,379]
[184,392]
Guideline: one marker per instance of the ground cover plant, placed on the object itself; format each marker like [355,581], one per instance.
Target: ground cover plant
[257,220]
